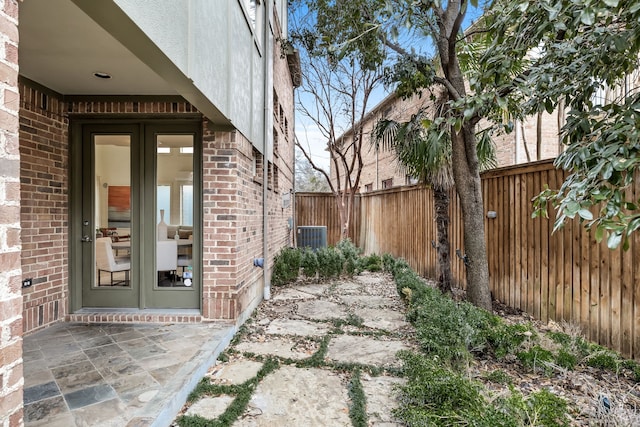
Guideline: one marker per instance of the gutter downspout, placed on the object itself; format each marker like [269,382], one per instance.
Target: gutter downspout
[294,235]
[268,89]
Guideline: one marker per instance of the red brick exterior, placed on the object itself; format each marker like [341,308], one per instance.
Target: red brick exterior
[11,380]
[381,166]
[44,218]
[232,204]
[232,212]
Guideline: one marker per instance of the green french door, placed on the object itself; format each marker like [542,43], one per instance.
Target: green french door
[135,234]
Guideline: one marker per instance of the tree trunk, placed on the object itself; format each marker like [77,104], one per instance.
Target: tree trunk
[468,186]
[464,156]
[343,214]
[441,205]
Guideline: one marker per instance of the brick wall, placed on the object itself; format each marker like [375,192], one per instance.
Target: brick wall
[380,166]
[233,208]
[511,150]
[44,211]
[11,380]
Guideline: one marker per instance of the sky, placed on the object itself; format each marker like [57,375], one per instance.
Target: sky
[311,137]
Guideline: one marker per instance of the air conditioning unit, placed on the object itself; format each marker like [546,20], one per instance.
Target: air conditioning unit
[313,237]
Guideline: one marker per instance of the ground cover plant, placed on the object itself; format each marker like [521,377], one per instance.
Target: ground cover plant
[454,336]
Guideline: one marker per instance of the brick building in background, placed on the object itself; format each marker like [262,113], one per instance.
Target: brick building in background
[380,169]
[125,115]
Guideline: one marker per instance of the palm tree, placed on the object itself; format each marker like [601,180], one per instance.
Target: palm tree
[423,150]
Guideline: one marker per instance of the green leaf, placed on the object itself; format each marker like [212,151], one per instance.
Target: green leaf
[614,240]
[571,209]
[599,234]
[457,125]
[588,16]
[611,3]
[585,214]
[548,106]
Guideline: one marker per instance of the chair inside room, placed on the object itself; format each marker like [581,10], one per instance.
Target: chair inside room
[107,261]
[166,260]
[185,258]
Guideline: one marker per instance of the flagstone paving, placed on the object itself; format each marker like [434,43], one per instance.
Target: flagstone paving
[339,326]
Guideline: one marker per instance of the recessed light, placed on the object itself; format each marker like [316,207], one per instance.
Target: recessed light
[102,75]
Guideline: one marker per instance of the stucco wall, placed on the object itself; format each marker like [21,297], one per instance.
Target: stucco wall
[214,45]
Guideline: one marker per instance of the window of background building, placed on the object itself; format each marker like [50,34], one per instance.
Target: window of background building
[387,183]
[411,180]
[368,187]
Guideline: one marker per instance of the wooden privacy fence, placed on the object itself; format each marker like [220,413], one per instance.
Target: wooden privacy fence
[321,209]
[565,276]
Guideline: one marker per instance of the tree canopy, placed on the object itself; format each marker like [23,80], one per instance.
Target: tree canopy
[522,57]
[582,54]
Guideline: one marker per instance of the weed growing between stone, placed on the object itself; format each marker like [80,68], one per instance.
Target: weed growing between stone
[358,407]
[241,392]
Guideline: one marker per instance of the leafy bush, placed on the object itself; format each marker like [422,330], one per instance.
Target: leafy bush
[536,358]
[286,266]
[371,263]
[506,339]
[330,262]
[566,359]
[434,393]
[388,262]
[350,254]
[437,396]
[604,359]
[309,263]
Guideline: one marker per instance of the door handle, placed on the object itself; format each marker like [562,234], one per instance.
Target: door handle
[86,238]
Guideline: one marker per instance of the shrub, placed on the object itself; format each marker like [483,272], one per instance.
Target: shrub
[371,263]
[434,392]
[330,262]
[286,266]
[388,262]
[536,358]
[604,359]
[350,255]
[506,339]
[566,359]
[309,263]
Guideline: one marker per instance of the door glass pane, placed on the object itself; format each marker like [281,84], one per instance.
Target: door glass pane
[174,217]
[112,243]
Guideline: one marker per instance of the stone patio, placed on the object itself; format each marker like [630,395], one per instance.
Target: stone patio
[116,374]
[361,320]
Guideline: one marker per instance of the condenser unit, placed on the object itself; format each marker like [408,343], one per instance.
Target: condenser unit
[313,237]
